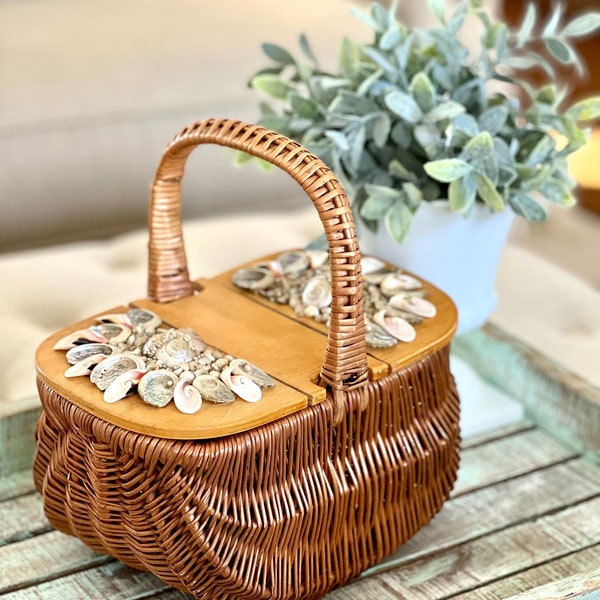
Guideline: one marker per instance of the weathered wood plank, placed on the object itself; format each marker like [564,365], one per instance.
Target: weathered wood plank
[581,562]
[557,400]
[17,441]
[495,434]
[111,580]
[582,585]
[484,559]
[16,484]
[21,518]
[508,457]
[44,557]
[497,507]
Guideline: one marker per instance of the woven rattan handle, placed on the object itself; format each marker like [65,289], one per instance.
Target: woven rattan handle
[345,363]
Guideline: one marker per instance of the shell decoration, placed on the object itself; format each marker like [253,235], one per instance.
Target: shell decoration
[395,302]
[134,351]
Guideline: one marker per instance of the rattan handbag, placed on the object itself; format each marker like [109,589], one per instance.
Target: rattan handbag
[340,463]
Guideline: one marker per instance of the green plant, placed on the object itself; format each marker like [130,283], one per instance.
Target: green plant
[413,116]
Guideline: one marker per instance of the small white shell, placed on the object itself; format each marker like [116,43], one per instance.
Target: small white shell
[111,332]
[213,390]
[377,337]
[144,318]
[78,353]
[317,258]
[240,366]
[294,261]
[371,264]
[397,282]
[256,278]
[157,387]
[317,292]
[413,304]
[110,368]
[187,398]
[123,385]
[84,366]
[400,328]
[77,337]
[241,385]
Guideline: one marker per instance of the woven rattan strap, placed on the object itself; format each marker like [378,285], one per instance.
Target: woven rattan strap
[345,362]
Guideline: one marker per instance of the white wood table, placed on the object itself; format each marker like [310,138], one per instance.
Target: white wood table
[523,520]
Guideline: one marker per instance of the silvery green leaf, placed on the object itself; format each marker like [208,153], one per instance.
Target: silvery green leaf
[331,83]
[397,169]
[527,207]
[404,106]
[423,91]
[397,221]
[266,109]
[546,95]
[520,62]
[278,54]
[481,145]
[542,62]
[367,82]
[380,60]
[376,206]
[461,194]
[555,17]
[488,192]
[585,110]
[561,51]
[502,152]
[381,129]
[537,177]
[403,52]
[349,102]
[274,123]
[401,134]
[339,138]
[527,25]
[303,107]
[583,25]
[306,49]
[466,124]
[541,151]
[437,8]
[271,85]
[242,157]
[366,19]
[557,192]
[426,135]
[348,58]
[458,17]
[447,169]
[357,147]
[414,195]
[506,175]
[445,110]
[391,38]
[380,15]
[493,119]
[442,76]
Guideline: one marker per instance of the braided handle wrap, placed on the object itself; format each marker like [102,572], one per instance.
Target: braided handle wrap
[345,362]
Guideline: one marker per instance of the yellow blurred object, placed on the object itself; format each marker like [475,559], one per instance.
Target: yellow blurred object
[584,165]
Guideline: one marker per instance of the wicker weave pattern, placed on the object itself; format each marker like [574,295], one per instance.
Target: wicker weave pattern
[344,365]
[258,515]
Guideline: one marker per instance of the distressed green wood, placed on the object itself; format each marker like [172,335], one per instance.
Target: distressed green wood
[497,507]
[17,441]
[577,565]
[512,456]
[22,517]
[582,585]
[16,484]
[555,399]
[485,559]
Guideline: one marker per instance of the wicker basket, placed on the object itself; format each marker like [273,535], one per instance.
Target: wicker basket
[289,502]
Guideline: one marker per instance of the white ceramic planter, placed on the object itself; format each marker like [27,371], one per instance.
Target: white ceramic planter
[458,255]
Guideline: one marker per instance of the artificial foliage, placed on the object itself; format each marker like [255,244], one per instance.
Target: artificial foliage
[413,116]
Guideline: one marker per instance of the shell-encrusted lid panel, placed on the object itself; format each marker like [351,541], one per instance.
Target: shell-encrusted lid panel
[134,351]
[394,301]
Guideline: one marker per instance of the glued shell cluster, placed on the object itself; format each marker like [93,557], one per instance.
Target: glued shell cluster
[394,301]
[133,351]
